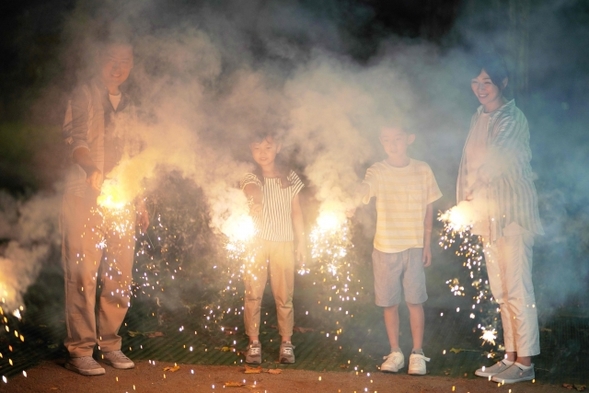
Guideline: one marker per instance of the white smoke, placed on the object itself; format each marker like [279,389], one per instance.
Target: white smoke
[29,233]
[209,73]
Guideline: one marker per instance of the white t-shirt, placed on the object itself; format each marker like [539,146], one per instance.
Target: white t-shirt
[115,100]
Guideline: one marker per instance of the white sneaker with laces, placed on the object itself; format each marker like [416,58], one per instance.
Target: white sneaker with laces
[497,368]
[254,353]
[393,362]
[117,359]
[417,364]
[287,353]
[515,373]
[84,365]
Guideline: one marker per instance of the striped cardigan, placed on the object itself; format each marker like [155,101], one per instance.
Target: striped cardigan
[506,172]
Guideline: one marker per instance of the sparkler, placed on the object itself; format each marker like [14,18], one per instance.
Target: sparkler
[456,234]
[180,257]
[12,337]
[333,271]
[116,208]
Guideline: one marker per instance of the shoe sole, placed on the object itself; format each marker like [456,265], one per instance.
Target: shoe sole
[416,373]
[286,361]
[121,367]
[484,375]
[386,370]
[509,381]
[88,373]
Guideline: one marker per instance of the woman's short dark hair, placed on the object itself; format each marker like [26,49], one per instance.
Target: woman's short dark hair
[494,66]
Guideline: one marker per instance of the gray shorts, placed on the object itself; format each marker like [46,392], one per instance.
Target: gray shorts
[396,274]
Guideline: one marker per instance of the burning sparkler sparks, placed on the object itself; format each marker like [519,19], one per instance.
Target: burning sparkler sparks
[458,222]
[333,270]
[489,335]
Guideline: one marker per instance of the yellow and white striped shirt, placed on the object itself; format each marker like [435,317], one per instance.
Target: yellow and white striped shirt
[402,196]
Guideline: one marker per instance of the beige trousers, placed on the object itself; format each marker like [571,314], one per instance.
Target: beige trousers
[97,252]
[509,265]
[278,257]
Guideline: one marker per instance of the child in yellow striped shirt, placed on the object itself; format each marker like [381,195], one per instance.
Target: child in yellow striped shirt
[405,190]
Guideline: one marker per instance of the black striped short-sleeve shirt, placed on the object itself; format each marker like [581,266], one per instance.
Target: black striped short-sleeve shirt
[275,222]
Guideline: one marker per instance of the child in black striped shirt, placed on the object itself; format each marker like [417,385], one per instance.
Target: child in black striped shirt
[273,194]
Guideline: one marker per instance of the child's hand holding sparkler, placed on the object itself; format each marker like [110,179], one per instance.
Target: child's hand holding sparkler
[254,199]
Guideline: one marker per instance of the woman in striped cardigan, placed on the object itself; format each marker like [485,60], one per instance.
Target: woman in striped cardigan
[495,173]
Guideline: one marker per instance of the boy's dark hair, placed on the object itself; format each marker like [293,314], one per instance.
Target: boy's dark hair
[105,43]
[281,167]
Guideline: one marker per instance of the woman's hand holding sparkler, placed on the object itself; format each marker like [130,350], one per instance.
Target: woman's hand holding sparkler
[95,180]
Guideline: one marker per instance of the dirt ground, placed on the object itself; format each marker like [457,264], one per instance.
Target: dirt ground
[157,377]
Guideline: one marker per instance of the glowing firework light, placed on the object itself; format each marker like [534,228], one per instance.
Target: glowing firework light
[116,208]
[10,337]
[333,271]
[457,235]
[184,263]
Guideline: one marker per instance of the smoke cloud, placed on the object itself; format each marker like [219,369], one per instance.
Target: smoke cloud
[208,74]
[28,234]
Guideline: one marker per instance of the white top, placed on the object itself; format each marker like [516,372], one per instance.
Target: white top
[115,100]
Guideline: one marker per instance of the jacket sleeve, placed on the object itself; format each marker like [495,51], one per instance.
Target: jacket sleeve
[508,148]
[75,126]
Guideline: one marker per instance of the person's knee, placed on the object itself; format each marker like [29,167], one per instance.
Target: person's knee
[392,308]
[414,306]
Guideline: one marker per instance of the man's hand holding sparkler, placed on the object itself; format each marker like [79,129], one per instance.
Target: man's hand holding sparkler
[94,177]
[142,215]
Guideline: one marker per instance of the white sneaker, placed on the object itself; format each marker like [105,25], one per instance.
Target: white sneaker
[393,362]
[287,353]
[417,364]
[515,373]
[254,353]
[117,359]
[495,369]
[84,365]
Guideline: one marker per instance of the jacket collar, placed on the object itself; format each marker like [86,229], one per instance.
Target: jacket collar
[508,106]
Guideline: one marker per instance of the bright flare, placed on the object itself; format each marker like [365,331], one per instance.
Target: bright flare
[329,221]
[239,228]
[112,196]
[489,335]
[460,218]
